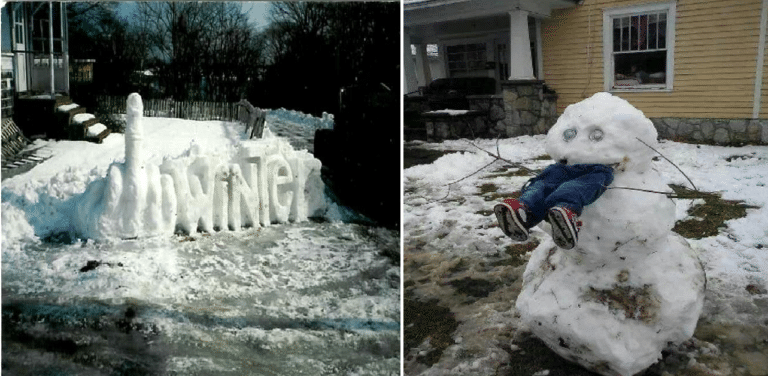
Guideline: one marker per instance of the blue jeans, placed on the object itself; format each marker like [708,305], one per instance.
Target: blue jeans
[569,186]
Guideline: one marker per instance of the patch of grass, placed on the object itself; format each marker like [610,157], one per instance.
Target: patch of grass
[427,320]
[488,188]
[504,173]
[517,253]
[543,157]
[713,213]
[478,288]
[460,266]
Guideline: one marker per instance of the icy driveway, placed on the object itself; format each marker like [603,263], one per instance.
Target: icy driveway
[315,298]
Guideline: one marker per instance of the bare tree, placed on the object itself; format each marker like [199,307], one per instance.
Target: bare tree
[207,49]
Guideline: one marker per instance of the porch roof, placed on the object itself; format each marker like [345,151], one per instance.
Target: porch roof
[437,14]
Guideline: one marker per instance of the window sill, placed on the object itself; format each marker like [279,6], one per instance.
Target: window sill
[640,90]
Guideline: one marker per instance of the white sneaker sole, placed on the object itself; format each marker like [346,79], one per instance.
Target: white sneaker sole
[509,223]
[563,231]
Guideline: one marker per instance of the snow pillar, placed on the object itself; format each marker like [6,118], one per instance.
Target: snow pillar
[520,61]
[411,83]
[135,177]
[134,132]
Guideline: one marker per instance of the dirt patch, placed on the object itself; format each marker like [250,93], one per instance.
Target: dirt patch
[710,217]
[529,355]
[637,303]
[478,288]
[427,320]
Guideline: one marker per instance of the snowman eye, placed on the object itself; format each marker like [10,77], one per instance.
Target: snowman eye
[596,135]
[569,134]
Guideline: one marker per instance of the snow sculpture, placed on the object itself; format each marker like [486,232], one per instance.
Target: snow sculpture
[631,285]
[264,182]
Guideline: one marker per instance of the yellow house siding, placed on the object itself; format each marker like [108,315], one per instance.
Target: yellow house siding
[715,55]
[764,88]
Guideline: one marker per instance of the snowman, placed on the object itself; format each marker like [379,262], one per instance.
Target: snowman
[629,286]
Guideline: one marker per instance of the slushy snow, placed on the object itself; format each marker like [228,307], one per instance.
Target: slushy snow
[305,297]
[448,222]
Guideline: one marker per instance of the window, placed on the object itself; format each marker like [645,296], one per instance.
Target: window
[639,47]
[465,58]
[41,31]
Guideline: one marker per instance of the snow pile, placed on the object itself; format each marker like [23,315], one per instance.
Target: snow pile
[264,181]
[631,285]
[448,112]
[67,107]
[324,122]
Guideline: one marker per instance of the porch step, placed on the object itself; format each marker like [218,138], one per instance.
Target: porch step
[62,100]
[97,133]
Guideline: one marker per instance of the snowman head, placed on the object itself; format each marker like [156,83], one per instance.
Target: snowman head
[603,129]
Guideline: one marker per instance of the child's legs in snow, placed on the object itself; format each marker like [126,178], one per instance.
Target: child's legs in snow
[533,196]
[586,185]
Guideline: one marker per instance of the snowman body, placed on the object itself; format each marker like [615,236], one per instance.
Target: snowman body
[631,285]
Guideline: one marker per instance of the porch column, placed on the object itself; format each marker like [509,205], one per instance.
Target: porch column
[520,62]
[440,71]
[411,84]
[421,58]
[65,44]
[50,45]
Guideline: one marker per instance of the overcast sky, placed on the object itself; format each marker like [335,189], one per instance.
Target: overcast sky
[257,11]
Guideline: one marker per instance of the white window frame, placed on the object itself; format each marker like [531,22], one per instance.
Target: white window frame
[444,44]
[608,60]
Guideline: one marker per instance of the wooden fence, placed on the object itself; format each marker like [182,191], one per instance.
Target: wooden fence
[169,108]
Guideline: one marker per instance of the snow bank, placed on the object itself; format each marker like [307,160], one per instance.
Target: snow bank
[324,122]
[263,181]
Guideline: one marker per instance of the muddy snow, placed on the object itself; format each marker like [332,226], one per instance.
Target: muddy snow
[462,275]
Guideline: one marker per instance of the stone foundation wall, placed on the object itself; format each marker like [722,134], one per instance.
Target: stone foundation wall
[713,131]
[529,110]
[523,108]
[440,126]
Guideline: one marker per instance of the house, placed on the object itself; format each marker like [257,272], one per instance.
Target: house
[697,68]
[35,40]
[36,69]
[498,39]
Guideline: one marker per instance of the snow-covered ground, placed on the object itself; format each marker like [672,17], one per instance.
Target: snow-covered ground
[314,298]
[453,245]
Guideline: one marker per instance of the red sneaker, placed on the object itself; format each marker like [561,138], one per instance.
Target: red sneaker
[565,227]
[512,216]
